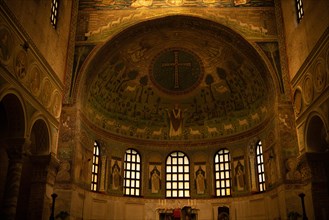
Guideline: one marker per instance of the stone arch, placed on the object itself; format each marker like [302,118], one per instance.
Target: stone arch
[12,125]
[316,134]
[40,138]
[38,150]
[12,116]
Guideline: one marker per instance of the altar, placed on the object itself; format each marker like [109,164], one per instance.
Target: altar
[185,213]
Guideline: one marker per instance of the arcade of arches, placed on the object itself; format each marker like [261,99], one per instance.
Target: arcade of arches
[174,109]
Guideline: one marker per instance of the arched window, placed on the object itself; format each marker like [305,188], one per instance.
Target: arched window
[95,168]
[54,13]
[299,10]
[260,166]
[132,173]
[223,173]
[177,175]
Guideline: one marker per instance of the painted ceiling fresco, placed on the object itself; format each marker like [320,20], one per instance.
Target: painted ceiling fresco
[128,4]
[176,78]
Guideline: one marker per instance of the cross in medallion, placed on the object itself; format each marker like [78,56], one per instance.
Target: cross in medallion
[176,64]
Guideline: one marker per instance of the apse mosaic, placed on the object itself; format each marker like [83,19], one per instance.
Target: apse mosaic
[164,84]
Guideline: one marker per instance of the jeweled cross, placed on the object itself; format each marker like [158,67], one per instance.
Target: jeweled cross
[176,64]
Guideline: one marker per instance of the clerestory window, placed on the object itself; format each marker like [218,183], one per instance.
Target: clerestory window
[223,173]
[95,168]
[54,13]
[177,175]
[260,166]
[132,173]
[299,10]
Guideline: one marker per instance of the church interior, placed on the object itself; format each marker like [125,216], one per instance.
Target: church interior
[164,109]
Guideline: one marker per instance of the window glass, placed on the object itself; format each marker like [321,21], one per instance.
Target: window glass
[132,173]
[54,13]
[222,172]
[260,166]
[177,175]
[95,167]
[299,10]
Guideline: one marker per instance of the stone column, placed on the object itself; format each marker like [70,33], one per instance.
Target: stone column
[16,151]
[44,172]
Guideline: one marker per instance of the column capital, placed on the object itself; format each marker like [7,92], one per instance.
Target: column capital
[312,166]
[17,148]
[45,168]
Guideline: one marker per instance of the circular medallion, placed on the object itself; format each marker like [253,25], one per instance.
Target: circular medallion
[21,64]
[298,101]
[6,44]
[320,75]
[308,89]
[34,79]
[56,106]
[176,71]
[46,92]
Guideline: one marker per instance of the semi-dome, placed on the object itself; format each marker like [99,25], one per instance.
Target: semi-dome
[176,78]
